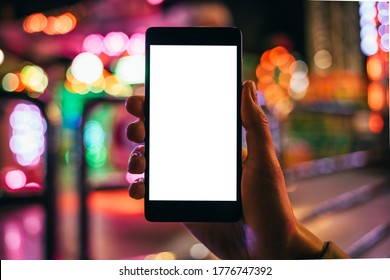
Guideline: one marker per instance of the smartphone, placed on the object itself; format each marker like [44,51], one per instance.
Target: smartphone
[193,125]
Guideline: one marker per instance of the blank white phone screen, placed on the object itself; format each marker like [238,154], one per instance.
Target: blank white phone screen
[193,123]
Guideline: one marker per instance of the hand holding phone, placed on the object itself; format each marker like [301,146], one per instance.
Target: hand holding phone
[268,229]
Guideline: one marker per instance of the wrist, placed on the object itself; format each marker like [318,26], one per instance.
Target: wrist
[305,245]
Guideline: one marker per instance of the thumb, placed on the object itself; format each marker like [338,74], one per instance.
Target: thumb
[254,120]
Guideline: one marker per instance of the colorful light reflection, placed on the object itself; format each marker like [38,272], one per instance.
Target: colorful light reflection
[375,123]
[375,96]
[10,82]
[115,43]
[282,79]
[93,43]
[136,44]
[94,142]
[1,56]
[131,69]
[28,134]
[51,25]
[155,2]
[374,24]
[21,232]
[87,67]
[15,179]
[34,78]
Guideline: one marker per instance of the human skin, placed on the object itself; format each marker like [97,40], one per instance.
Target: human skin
[268,228]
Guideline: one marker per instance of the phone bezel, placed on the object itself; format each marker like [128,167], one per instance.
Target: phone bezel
[193,211]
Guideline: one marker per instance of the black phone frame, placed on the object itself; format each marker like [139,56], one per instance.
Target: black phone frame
[193,211]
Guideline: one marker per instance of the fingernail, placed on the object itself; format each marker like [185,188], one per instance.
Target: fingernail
[139,180]
[250,85]
[135,154]
[137,151]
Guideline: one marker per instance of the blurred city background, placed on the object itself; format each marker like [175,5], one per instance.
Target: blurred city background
[67,66]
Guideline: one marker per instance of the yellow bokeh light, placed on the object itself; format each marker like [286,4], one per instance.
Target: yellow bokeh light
[116,88]
[99,85]
[10,82]
[34,78]
[165,256]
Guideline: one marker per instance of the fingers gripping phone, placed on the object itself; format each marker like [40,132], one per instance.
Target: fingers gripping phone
[193,125]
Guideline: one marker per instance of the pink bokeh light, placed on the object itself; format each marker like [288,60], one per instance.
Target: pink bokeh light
[155,2]
[94,44]
[15,179]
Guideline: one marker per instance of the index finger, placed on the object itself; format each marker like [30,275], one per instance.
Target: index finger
[135,105]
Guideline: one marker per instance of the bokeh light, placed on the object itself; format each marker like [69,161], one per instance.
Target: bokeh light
[384,42]
[73,85]
[198,251]
[13,238]
[323,59]
[65,23]
[131,69]
[1,57]
[115,43]
[87,67]
[99,85]
[10,82]
[33,185]
[374,68]
[155,2]
[161,256]
[299,81]
[51,25]
[50,28]
[115,87]
[136,44]
[369,45]
[383,12]
[15,179]
[34,78]
[94,142]
[35,23]
[93,43]
[368,34]
[32,223]
[28,134]
[281,79]
[375,123]
[375,96]
[94,135]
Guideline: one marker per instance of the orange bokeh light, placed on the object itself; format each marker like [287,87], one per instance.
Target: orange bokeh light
[278,56]
[65,23]
[115,202]
[374,68]
[375,96]
[35,23]
[274,79]
[51,25]
[375,123]
[21,86]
